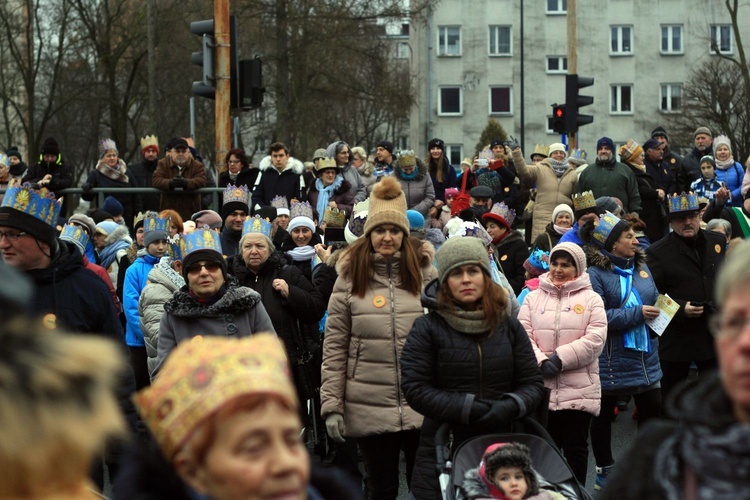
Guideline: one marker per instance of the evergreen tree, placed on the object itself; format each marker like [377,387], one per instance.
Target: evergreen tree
[491,132]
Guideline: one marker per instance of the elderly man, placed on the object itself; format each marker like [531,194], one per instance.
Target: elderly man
[608,177]
[684,265]
[176,174]
[691,164]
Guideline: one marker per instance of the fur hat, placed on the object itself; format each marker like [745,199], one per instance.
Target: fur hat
[605,141]
[106,145]
[387,206]
[703,130]
[575,252]
[511,454]
[457,252]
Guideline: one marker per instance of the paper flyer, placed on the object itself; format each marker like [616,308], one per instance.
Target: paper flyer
[668,308]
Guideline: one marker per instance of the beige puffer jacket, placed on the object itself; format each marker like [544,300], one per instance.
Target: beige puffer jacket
[362,347]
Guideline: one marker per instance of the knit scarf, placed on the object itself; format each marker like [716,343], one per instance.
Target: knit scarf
[468,322]
[411,176]
[117,173]
[108,254]
[724,164]
[561,230]
[635,338]
[172,275]
[324,194]
[559,167]
[641,167]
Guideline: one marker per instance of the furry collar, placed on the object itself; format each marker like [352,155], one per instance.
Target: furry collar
[121,233]
[237,299]
[293,163]
[595,258]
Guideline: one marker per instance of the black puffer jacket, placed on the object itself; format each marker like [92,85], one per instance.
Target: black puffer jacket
[512,253]
[444,370]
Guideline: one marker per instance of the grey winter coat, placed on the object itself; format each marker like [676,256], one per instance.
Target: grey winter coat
[419,192]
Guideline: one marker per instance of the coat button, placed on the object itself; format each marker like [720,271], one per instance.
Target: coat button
[229,318]
[232,328]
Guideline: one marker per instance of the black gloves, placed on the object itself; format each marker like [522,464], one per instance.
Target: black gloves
[478,410]
[178,182]
[500,415]
[87,188]
[551,367]
[512,143]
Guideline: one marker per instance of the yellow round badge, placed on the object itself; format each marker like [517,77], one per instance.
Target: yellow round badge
[717,248]
[644,274]
[672,160]
[578,308]
[50,321]
[504,257]
[507,189]
[378,301]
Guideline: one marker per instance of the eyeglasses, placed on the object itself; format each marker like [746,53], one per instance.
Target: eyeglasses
[12,237]
[731,327]
[234,161]
[211,267]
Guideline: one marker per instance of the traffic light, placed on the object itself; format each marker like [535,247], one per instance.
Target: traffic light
[205,58]
[574,101]
[557,122]
[251,83]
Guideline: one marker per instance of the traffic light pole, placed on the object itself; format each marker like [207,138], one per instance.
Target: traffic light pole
[572,58]
[222,67]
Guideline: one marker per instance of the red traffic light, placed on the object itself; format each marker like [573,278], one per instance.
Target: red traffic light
[559,112]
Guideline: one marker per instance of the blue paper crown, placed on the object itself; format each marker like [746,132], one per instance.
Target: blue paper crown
[41,205]
[152,222]
[684,202]
[539,259]
[239,194]
[501,209]
[607,222]
[75,234]
[4,160]
[301,209]
[579,154]
[176,247]
[257,224]
[202,239]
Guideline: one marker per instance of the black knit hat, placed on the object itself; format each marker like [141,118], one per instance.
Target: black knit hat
[659,132]
[206,255]
[13,151]
[27,223]
[50,147]
[436,143]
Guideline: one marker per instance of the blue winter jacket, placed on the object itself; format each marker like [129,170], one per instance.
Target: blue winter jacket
[621,369]
[135,280]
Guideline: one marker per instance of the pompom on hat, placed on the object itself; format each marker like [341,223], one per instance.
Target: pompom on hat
[387,206]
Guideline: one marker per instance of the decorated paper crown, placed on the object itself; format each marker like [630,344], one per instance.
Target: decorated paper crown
[683,202]
[333,217]
[202,239]
[176,247]
[541,149]
[407,158]
[149,141]
[607,223]
[138,218]
[257,224]
[281,205]
[539,259]
[4,160]
[41,205]
[152,222]
[502,210]
[583,201]
[201,375]
[324,163]
[356,227]
[239,194]
[106,145]
[577,154]
[630,150]
[472,229]
[300,209]
[75,234]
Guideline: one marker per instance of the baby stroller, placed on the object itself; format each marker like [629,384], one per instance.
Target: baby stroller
[545,457]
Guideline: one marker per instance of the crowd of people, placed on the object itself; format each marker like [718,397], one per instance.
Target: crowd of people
[331,315]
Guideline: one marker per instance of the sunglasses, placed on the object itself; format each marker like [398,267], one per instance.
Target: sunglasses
[211,267]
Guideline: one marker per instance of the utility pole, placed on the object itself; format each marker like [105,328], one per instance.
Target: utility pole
[151,34]
[223,87]
[572,58]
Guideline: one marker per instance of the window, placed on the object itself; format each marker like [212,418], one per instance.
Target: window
[500,100]
[671,97]
[455,154]
[621,41]
[621,99]
[450,101]
[721,39]
[671,39]
[557,6]
[449,40]
[500,41]
[403,50]
[557,64]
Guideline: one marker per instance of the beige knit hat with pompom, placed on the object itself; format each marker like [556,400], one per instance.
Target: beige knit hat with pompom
[387,206]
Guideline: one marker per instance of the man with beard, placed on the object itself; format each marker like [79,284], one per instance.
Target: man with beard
[50,172]
[608,177]
[176,174]
[235,210]
[684,265]
[691,164]
[143,171]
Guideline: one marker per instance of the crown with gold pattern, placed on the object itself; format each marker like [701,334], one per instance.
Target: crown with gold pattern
[407,158]
[281,205]
[583,201]
[202,375]
[139,218]
[152,222]
[176,247]
[301,209]
[684,202]
[41,204]
[150,141]
[237,194]
[605,229]
[325,163]
[541,149]
[257,224]
[202,239]
[333,217]
[74,234]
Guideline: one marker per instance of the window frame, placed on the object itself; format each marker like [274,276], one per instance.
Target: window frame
[561,60]
[715,31]
[460,100]
[619,52]
[510,100]
[442,51]
[403,50]
[561,10]
[670,51]
[618,98]
[449,152]
[669,87]
[494,30]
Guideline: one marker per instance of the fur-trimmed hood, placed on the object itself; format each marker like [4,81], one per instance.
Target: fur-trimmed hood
[343,262]
[237,299]
[595,258]
[121,233]
[293,163]
[421,170]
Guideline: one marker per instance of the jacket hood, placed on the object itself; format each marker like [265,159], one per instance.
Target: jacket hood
[121,233]
[343,263]
[473,485]
[163,274]
[582,282]
[429,294]
[421,170]
[596,258]
[236,299]
[292,164]
[67,262]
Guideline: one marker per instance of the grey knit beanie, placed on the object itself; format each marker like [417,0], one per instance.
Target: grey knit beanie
[457,252]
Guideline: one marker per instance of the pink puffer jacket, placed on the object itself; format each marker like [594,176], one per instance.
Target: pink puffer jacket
[570,321]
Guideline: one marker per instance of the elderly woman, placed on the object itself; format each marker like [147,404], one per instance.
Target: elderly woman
[211,303]
[375,300]
[702,451]
[330,189]
[567,325]
[342,153]
[562,222]
[110,172]
[467,362]
[365,168]
[629,365]
[226,418]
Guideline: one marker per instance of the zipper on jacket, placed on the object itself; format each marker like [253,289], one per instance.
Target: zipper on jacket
[554,345]
[645,371]
[395,348]
[481,371]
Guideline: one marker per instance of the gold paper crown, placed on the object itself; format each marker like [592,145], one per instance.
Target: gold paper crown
[683,202]
[324,163]
[541,149]
[202,239]
[138,218]
[74,234]
[149,140]
[176,247]
[583,201]
[333,217]
[407,158]
[204,374]
[153,222]
[257,225]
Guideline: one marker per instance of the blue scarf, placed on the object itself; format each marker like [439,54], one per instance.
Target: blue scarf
[109,253]
[635,338]
[411,176]
[324,194]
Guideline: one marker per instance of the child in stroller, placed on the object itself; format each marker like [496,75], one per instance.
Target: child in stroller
[505,472]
